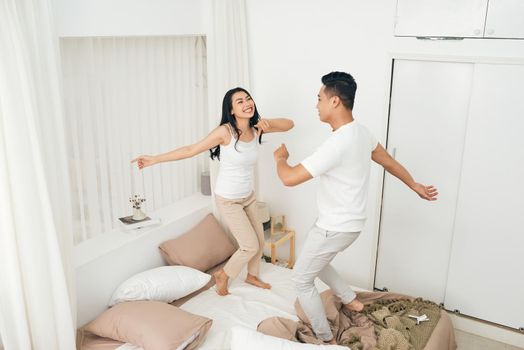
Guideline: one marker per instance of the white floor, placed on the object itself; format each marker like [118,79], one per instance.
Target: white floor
[468,341]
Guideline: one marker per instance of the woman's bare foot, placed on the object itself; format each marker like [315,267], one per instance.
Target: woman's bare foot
[355,305]
[256,282]
[221,279]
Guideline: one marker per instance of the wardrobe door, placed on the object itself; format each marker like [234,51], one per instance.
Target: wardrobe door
[505,19]
[486,271]
[448,18]
[429,105]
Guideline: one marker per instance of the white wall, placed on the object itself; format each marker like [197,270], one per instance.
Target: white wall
[129,17]
[292,44]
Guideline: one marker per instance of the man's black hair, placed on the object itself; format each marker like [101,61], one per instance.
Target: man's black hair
[342,85]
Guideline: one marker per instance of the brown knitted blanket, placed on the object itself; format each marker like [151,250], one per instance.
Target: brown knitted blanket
[382,325]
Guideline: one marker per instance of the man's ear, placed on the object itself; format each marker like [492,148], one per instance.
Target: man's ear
[335,101]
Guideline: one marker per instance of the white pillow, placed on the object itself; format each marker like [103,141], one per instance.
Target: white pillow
[259,341]
[165,283]
[129,346]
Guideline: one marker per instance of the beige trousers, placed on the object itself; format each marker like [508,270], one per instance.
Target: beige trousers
[241,218]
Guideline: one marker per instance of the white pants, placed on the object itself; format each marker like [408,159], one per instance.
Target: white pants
[320,248]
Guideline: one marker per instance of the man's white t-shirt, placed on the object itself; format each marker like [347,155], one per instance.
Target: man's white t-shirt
[342,164]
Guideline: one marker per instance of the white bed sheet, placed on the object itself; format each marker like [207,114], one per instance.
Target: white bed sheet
[247,305]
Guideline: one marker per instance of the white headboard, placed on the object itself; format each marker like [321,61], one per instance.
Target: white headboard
[107,260]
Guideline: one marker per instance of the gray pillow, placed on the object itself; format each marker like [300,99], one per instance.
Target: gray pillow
[152,325]
[203,247]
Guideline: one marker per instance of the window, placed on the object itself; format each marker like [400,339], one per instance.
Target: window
[126,96]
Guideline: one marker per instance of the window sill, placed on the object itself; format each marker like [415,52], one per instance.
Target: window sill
[102,244]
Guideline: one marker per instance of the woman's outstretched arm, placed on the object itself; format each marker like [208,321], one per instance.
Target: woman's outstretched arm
[275,125]
[214,138]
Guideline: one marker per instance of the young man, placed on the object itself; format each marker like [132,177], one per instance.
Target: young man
[342,163]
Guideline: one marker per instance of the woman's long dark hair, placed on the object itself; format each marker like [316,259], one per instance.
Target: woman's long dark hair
[227,117]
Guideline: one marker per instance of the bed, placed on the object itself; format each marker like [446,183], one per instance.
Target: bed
[246,307]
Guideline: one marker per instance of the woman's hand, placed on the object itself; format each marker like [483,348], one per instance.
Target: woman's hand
[263,125]
[144,161]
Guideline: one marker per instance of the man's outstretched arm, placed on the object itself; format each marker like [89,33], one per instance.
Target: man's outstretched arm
[382,157]
[289,175]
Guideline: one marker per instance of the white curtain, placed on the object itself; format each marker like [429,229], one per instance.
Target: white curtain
[36,296]
[227,59]
[127,96]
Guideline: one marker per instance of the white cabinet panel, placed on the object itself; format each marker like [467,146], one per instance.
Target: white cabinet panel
[505,19]
[429,105]
[449,18]
[486,278]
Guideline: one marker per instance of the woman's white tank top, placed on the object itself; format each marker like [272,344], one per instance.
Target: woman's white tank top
[237,165]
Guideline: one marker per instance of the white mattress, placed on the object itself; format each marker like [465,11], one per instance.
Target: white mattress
[247,305]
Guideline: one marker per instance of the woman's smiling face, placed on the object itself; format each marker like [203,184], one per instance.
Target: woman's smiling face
[243,105]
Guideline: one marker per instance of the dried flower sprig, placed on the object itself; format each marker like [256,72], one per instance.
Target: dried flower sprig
[137,201]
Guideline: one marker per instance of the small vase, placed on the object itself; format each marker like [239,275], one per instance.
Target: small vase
[138,214]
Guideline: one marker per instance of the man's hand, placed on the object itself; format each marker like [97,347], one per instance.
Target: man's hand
[281,153]
[289,175]
[425,192]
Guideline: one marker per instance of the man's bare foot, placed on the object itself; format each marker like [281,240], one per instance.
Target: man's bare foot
[354,305]
[256,282]
[221,279]
[333,341]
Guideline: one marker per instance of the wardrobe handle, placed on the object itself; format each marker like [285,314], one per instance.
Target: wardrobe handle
[394,152]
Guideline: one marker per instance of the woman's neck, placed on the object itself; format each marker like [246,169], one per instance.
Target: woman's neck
[243,124]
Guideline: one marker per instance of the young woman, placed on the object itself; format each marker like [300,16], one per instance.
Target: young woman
[235,144]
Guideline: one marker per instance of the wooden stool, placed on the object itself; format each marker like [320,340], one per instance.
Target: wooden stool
[278,235]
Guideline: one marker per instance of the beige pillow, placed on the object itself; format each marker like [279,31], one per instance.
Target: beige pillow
[203,247]
[152,325]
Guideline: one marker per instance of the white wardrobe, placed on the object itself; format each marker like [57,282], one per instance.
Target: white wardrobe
[460,127]
[462,19]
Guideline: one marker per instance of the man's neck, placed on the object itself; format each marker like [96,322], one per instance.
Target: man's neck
[341,119]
